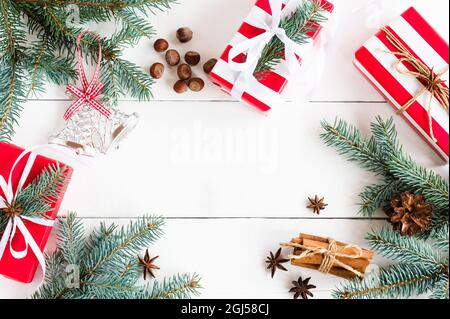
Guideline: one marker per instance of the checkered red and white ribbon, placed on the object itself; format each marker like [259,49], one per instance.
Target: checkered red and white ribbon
[90,91]
[234,70]
[377,60]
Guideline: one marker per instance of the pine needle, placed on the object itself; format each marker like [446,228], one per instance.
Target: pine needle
[423,259]
[26,67]
[104,265]
[299,25]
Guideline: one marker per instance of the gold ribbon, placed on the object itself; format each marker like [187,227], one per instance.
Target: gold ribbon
[330,255]
[434,82]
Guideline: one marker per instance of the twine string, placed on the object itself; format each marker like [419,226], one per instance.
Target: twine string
[330,255]
[433,81]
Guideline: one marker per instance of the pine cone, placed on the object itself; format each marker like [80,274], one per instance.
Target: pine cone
[410,214]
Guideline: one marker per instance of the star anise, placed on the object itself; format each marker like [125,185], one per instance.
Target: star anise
[147,262]
[317,204]
[301,288]
[275,261]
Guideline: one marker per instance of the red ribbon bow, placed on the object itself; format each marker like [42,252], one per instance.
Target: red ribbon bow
[90,90]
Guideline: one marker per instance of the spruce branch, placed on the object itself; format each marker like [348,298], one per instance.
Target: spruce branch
[383,155]
[26,67]
[349,142]
[397,281]
[374,196]
[299,25]
[107,263]
[46,66]
[177,287]
[123,244]
[38,196]
[54,281]
[442,288]
[423,259]
[70,240]
[406,250]
[13,93]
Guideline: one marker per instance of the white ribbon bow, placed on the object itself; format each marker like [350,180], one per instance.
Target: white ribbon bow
[253,47]
[16,223]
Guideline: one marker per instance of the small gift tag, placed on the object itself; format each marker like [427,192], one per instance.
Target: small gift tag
[92,128]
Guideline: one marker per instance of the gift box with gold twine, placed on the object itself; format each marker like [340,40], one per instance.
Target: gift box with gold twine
[329,256]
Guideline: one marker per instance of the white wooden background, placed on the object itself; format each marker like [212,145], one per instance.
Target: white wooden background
[234,183]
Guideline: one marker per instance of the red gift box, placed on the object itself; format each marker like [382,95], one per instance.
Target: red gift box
[390,59]
[265,91]
[24,269]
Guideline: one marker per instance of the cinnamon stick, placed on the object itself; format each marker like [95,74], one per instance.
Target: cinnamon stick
[314,261]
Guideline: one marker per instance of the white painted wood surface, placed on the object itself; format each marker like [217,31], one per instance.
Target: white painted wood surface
[233,182]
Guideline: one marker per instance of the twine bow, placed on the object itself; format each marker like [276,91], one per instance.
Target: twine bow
[330,255]
[91,90]
[432,81]
[254,47]
[15,220]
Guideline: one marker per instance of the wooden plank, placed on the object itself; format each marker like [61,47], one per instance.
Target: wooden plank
[215,22]
[221,160]
[229,255]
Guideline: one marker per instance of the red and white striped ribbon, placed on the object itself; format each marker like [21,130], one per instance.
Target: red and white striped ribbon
[91,90]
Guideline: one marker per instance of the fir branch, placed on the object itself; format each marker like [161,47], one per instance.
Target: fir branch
[13,93]
[350,143]
[304,21]
[374,196]
[107,260]
[407,250]
[38,196]
[423,259]
[439,234]
[54,281]
[97,236]
[138,26]
[132,79]
[70,239]
[176,287]
[397,281]
[433,187]
[383,155]
[51,57]
[128,241]
[12,34]
[112,90]
[43,66]
[403,168]
[442,288]
[110,5]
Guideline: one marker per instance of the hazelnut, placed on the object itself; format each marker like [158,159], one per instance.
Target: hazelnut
[196,84]
[184,34]
[184,71]
[192,57]
[173,57]
[161,45]
[157,70]
[209,65]
[180,87]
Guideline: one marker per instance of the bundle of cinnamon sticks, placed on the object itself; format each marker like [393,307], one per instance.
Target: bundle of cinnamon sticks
[330,256]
